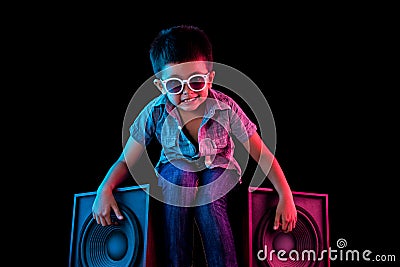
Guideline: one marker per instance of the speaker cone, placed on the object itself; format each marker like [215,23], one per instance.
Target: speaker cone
[302,246]
[115,245]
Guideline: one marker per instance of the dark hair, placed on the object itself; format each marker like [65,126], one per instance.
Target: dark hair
[180,44]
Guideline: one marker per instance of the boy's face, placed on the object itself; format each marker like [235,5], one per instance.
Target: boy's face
[199,78]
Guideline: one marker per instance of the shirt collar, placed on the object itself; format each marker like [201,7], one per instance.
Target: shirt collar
[215,102]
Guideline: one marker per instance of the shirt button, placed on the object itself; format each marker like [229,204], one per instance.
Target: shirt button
[179,128]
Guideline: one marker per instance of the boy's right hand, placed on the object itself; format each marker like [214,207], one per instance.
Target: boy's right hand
[103,204]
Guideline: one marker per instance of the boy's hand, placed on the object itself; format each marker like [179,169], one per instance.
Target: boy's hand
[208,150]
[286,216]
[102,207]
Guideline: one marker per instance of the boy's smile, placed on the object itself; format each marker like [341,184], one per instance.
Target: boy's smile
[188,101]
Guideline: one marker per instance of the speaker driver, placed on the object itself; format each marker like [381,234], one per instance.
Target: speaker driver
[115,245]
[300,245]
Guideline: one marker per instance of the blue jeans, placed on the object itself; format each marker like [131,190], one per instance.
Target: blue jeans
[211,218]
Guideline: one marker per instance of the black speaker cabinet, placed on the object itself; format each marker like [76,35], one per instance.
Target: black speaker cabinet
[123,244]
[306,245]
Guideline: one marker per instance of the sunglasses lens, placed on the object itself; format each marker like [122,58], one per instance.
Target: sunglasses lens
[173,86]
[197,83]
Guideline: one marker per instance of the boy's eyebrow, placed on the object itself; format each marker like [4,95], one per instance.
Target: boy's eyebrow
[180,77]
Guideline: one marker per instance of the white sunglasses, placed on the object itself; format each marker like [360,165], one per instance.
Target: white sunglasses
[196,83]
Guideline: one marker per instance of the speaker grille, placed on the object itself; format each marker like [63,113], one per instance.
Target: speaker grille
[114,245]
[304,237]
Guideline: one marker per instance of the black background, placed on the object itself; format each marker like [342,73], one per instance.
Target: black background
[329,78]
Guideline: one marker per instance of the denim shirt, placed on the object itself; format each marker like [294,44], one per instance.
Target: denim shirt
[223,118]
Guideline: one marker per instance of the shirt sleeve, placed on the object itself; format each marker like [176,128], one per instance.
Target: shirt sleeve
[143,127]
[241,125]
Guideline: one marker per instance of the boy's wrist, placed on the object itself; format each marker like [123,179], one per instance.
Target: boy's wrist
[104,189]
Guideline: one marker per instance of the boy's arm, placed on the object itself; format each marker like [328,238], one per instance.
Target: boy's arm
[119,172]
[286,213]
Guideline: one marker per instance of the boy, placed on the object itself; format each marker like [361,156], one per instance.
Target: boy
[196,170]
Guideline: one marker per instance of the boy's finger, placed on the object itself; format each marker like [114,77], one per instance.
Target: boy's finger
[276,222]
[285,226]
[118,213]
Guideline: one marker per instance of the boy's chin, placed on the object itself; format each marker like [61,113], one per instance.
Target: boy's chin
[188,108]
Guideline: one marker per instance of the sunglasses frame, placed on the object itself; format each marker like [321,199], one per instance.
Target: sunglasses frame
[205,76]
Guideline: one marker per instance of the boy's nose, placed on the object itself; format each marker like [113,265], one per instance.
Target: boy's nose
[186,89]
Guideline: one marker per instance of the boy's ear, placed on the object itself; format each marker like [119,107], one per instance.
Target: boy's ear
[211,76]
[159,86]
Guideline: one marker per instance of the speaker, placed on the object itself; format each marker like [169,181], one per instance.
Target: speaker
[306,245]
[123,244]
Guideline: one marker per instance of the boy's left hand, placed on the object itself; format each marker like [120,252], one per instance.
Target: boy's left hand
[286,216]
